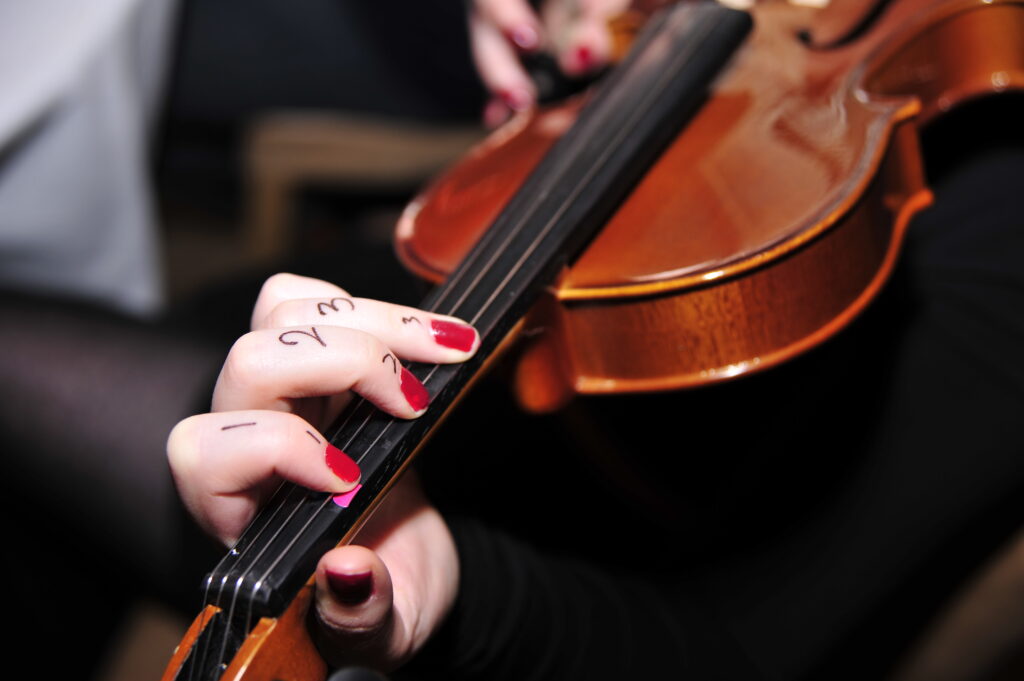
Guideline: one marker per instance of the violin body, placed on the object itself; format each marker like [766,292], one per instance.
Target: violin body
[766,226]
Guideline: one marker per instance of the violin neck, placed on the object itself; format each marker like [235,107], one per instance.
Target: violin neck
[619,133]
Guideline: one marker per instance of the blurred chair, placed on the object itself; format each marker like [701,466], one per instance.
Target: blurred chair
[286,151]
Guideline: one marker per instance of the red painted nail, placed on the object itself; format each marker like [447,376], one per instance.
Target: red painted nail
[585,58]
[351,589]
[415,394]
[453,334]
[341,465]
[524,37]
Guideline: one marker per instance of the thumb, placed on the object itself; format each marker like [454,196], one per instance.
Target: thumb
[355,607]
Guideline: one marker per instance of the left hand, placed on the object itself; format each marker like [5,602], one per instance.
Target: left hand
[311,347]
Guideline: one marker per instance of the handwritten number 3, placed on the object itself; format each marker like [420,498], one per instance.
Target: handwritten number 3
[312,333]
[332,304]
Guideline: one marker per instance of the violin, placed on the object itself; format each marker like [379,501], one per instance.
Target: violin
[625,251]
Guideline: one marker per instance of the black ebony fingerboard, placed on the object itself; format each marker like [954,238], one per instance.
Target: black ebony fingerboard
[640,107]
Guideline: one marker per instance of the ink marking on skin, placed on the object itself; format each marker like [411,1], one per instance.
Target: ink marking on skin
[315,438]
[238,425]
[333,305]
[314,335]
[406,320]
[394,362]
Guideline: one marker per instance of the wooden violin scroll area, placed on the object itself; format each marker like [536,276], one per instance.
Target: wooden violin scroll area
[766,226]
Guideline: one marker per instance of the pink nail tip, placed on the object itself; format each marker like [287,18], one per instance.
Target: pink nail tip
[345,500]
[415,394]
[453,335]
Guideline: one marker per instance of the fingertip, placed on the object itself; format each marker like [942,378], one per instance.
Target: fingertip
[455,334]
[343,467]
[581,59]
[352,576]
[496,112]
[415,392]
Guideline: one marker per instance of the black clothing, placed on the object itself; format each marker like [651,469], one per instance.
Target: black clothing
[812,518]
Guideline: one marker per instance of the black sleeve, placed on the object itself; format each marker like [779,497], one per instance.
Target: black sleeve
[523,615]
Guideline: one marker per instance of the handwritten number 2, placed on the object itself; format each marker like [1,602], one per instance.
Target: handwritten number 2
[312,333]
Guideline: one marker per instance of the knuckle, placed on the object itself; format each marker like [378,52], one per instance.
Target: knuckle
[365,351]
[183,446]
[274,442]
[284,314]
[279,284]
[246,362]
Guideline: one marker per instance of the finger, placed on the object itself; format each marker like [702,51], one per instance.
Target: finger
[499,66]
[284,286]
[355,605]
[270,368]
[586,43]
[410,333]
[514,19]
[225,464]
[496,112]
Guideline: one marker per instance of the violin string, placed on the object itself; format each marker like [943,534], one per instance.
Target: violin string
[240,581]
[298,535]
[223,581]
[450,287]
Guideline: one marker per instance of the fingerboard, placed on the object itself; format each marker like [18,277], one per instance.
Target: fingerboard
[636,111]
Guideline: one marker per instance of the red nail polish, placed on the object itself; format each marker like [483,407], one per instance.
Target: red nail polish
[453,334]
[585,58]
[524,37]
[341,465]
[351,589]
[415,394]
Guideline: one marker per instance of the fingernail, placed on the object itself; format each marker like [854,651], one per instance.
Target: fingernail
[453,334]
[415,394]
[351,589]
[341,465]
[524,37]
[517,99]
[585,58]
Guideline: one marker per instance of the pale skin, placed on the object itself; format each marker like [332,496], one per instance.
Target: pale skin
[269,404]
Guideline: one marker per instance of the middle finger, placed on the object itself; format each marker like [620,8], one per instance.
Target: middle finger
[271,368]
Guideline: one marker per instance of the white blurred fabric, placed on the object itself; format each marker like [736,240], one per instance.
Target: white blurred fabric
[81,83]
